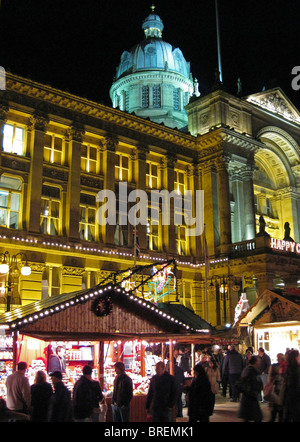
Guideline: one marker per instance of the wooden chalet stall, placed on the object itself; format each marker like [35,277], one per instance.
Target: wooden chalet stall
[102,315]
[273,322]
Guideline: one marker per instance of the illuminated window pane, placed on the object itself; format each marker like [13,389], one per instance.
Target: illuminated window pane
[53,149]
[50,209]
[87,225]
[10,201]
[13,139]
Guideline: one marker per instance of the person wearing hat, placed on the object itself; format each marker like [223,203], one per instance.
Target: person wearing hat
[87,394]
[60,404]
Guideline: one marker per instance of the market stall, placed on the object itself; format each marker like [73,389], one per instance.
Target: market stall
[273,322]
[98,327]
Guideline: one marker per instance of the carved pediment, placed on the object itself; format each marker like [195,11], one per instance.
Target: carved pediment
[276,102]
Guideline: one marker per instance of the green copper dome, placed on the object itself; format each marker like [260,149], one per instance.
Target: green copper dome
[153,79]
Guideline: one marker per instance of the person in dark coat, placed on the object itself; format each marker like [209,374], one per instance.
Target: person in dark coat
[122,394]
[200,397]
[41,393]
[60,409]
[179,381]
[162,394]
[291,402]
[233,365]
[87,394]
[249,407]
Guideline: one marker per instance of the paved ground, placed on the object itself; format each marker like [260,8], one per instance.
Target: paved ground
[226,411]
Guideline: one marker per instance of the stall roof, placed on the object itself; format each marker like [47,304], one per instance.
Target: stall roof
[281,306]
[104,312]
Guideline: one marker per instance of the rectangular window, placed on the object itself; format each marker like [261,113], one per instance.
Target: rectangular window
[145,97]
[50,210]
[180,182]
[90,157]
[87,224]
[176,99]
[153,229]
[181,243]
[156,96]
[122,168]
[51,281]
[121,234]
[152,175]
[53,149]
[13,139]
[10,201]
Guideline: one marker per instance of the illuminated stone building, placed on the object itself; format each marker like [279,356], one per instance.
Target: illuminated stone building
[60,150]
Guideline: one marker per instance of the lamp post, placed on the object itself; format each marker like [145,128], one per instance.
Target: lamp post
[10,267]
[222,293]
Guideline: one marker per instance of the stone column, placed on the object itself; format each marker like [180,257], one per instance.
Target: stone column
[141,167]
[3,114]
[168,178]
[238,230]
[209,221]
[224,204]
[38,129]
[249,210]
[109,163]
[73,189]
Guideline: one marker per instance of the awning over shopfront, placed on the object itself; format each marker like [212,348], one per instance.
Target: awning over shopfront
[273,307]
[272,322]
[106,312]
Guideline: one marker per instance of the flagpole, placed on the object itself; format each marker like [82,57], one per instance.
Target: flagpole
[134,254]
[205,253]
[218,41]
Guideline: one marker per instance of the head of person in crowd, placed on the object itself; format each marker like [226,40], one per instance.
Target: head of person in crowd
[22,367]
[87,371]
[56,377]
[119,368]
[40,377]
[160,368]
[255,361]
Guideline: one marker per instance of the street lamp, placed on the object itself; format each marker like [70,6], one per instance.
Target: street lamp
[10,267]
[222,292]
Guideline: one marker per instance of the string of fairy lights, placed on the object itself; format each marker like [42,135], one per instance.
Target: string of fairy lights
[83,298]
[101,251]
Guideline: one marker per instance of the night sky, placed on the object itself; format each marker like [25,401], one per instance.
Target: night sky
[76,45]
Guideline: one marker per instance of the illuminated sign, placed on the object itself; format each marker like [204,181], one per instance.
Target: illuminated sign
[286,246]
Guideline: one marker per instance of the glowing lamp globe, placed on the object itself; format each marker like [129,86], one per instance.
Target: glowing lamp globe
[4,268]
[26,271]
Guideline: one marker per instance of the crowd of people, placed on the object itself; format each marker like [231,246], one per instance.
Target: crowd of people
[248,379]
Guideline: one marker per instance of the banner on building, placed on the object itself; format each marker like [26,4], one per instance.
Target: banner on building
[248,280]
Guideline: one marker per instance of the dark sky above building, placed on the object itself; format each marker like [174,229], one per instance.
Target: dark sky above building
[76,45]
